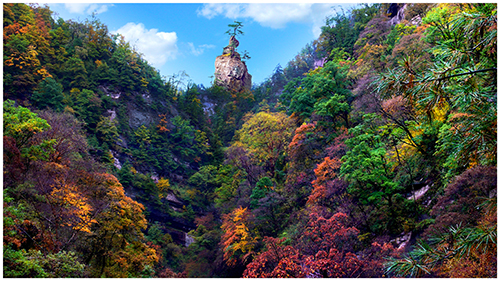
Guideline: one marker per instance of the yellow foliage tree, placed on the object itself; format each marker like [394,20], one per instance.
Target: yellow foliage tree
[163,186]
[238,241]
[119,244]
[77,208]
[265,135]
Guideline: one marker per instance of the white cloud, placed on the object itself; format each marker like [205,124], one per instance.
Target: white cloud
[319,14]
[76,8]
[278,15]
[86,8]
[98,9]
[229,10]
[200,49]
[272,15]
[157,47]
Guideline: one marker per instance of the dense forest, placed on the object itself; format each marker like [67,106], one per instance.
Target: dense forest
[372,153]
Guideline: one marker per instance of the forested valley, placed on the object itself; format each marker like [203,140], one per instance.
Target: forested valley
[372,153]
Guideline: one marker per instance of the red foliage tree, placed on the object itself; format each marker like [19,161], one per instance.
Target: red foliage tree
[375,256]
[334,264]
[277,261]
[324,250]
[302,151]
[323,234]
[325,173]
[169,273]
[12,161]
[459,203]
[327,187]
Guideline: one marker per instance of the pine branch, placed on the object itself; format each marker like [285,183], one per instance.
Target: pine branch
[452,76]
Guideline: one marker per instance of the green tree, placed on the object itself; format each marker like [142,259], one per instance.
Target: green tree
[460,81]
[205,181]
[86,105]
[302,63]
[106,130]
[157,236]
[21,125]
[34,264]
[143,136]
[460,252]
[338,32]
[263,186]
[341,31]
[48,95]
[74,73]
[370,173]
[324,91]
[235,29]
[190,103]
[228,179]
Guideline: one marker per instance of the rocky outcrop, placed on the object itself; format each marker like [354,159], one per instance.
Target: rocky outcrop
[417,194]
[396,13]
[230,71]
[402,242]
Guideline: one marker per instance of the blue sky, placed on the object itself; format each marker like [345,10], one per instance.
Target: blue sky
[177,37]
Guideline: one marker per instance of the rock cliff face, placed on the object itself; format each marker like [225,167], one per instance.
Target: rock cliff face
[230,71]
[396,13]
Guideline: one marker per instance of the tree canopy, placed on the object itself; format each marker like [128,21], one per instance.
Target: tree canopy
[371,153]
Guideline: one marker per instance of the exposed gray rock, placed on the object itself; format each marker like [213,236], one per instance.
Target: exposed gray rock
[397,13]
[112,114]
[416,20]
[116,162]
[137,117]
[402,241]
[171,198]
[188,240]
[419,193]
[232,74]
[111,93]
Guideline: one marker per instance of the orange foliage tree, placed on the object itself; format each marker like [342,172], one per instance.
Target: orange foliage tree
[238,240]
[325,173]
[328,187]
[301,152]
[25,40]
[118,242]
[68,201]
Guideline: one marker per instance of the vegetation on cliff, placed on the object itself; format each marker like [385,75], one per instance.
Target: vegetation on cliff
[372,153]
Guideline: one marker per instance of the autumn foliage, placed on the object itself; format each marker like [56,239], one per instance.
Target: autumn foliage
[238,241]
[80,207]
[323,251]
[372,153]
